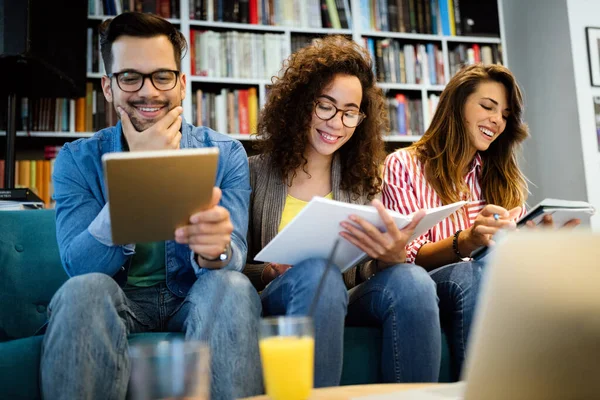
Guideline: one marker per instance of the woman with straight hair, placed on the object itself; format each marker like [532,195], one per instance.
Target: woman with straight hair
[469,152]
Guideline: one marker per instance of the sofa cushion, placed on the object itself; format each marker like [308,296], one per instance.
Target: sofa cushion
[20,364]
[20,368]
[362,356]
[30,270]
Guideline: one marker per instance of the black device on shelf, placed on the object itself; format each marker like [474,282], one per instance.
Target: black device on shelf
[42,48]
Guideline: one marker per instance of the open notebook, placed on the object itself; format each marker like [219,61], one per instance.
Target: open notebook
[313,231]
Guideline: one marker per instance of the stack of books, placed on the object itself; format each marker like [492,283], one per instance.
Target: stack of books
[19,199]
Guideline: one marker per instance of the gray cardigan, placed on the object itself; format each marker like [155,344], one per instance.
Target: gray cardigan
[267,200]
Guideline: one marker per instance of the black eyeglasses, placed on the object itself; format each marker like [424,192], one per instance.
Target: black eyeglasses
[327,111]
[132,81]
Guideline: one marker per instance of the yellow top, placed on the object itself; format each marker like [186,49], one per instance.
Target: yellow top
[292,207]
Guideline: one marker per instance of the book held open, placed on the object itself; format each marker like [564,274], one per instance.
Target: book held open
[562,211]
[313,232]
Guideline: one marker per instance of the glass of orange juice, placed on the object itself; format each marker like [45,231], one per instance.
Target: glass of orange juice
[287,352]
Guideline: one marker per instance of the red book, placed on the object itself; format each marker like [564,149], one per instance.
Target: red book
[193,50]
[1,174]
[477,53]
[253,11]
[243,111]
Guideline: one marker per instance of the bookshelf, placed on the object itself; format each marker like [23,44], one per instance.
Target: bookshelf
[364,27]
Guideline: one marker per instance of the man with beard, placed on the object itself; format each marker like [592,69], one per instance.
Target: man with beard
[168,286]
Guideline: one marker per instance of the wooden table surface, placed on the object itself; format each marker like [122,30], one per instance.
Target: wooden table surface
[349,392]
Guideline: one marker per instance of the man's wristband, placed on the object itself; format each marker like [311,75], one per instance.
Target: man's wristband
[217,261]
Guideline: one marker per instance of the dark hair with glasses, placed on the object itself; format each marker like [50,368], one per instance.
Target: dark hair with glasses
[141,25]
[294,98]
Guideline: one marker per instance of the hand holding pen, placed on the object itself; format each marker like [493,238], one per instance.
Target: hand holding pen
[491,219]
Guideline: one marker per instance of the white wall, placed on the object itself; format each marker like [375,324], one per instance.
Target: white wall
[557,157]
[582,14]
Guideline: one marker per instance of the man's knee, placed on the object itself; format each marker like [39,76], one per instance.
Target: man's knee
[83,290]
[233,288]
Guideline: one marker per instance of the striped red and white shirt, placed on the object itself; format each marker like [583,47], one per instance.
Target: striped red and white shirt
[406,190]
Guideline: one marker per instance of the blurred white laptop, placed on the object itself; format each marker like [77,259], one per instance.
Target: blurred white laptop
[536,331]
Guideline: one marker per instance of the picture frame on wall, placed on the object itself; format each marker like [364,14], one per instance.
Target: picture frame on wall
[592,35]
[597,115]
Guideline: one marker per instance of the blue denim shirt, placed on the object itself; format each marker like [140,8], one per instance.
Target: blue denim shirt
[82,211]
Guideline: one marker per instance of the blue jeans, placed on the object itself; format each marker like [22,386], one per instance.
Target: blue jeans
[84,352]
[292,294]
[457,289]
[400,299]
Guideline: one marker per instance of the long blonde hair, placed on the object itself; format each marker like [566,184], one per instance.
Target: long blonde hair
[443,149]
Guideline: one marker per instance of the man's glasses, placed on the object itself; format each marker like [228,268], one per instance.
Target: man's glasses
[350,118]
[132,81]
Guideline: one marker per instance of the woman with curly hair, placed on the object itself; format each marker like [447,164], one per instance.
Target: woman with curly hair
[320,135]
[467,153]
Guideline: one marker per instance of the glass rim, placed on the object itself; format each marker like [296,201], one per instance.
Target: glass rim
[276,320]
[143,348]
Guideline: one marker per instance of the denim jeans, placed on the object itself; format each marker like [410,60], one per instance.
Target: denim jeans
[84,352]
[401,300]
[292,294]
[457,289]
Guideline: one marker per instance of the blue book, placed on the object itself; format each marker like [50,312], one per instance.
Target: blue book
[371,48]
[65,115]
[431,63]
[444,17]
[401,114]
[434,17]
[365,15]
[220,12]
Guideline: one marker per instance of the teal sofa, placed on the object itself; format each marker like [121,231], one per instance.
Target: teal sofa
[31,272]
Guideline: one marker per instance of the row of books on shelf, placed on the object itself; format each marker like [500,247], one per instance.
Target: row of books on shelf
[408,63]
[164,8]
[442,17]
[235,54]
[240,55]
[84,114]
[297,13]
[228,111]
[406,114]
[464,54]
[35,175]
[437,17]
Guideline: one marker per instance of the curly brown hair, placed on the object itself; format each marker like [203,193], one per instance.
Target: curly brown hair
[285,119]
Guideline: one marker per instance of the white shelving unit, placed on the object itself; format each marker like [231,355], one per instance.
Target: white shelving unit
[185,24]
[42,134]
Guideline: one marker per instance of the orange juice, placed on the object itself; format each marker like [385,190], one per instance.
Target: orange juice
[287,363]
